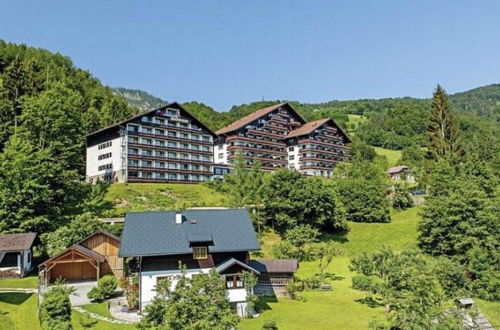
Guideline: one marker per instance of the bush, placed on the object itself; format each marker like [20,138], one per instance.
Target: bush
[283,250]
[55,309]
[269,325]
[312,283]
[293,289]
[105,288]
[362,282]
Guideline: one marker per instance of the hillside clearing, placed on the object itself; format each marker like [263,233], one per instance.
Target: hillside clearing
[129,197]
[392,155]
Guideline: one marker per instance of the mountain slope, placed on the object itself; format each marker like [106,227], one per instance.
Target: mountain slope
[139,99]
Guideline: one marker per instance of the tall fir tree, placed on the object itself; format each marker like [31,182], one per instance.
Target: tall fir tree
[443,130]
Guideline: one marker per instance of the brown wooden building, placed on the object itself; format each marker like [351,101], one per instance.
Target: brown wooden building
[89,259]
[280,138]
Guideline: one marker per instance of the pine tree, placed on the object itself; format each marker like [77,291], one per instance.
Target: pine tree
[443,131]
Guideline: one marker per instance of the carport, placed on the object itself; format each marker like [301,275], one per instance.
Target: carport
[76,263]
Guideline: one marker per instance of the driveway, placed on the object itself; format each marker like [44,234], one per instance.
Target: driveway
[79,297]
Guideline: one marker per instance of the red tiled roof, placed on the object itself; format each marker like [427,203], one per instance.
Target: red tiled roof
[397,169]
[248,119]
[16,242]
[307,127]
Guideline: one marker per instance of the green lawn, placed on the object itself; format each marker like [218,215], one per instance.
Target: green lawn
[392,155]
[99,309]
[143,197]
[18,311]
[28,282]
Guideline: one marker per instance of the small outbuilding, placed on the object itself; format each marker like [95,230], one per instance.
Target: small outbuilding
[87,260]
[16,252]
[401,173]
[274,275]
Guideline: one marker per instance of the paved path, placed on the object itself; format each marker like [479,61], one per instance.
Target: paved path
[18,290]
[100,317]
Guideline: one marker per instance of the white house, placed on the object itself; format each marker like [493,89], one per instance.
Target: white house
[201,240]
[16,252]
[401,173]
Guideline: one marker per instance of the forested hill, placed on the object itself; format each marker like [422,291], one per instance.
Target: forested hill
[483,102]
[139,99]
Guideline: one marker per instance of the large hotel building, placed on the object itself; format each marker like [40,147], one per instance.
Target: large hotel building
[170,145]
[162,145]
[280,138]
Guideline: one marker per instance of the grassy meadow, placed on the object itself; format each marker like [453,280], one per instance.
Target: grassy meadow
[127,197]
[392,155]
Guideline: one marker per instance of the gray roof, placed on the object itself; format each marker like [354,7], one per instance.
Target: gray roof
[275,265]
[156,233]
[230,262]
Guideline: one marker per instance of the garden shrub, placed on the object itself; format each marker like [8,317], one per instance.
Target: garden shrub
[105,288]
[55,309]
[269,325]
[312,283]
[362,282]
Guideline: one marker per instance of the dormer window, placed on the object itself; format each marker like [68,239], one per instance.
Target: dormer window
[200,252]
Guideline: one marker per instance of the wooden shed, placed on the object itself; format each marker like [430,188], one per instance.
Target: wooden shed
[89,259]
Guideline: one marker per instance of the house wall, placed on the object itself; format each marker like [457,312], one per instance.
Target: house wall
[109,248]
[149,279]
[92,161]
[26,259]
[220,149]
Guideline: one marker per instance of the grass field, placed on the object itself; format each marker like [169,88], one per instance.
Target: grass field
[99,309]
[141,197]
[392,155]
[353,122]
[28,282]
[18,311]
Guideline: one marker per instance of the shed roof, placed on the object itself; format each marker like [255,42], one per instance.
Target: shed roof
[230,262]
[16,242]
[156,233]
[275,265]
[89,253]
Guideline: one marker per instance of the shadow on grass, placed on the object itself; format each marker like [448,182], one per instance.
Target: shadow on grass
[338,237]
[263,303]
[14,298]
[369,301]
[333,277]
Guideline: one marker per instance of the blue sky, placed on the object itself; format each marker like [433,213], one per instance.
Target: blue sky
[231,52]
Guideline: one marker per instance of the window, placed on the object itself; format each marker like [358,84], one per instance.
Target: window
[172,155]
[133,162]
[184,125]
[220,146]
[195,157]
[104,145]
[185,167]
[172,144]
[172,113]
[147,130]
[147,163]
[195,137]
[172,165]
[200,252]
[221,155]
[159,279]
[205,148]
[172,134]
[147,152]
[184,146]
[104,156]
[290,149]
[185,135]
[292,157]
[133,128]
[160,121]
[206,138]
[159,153]
[184,156]
[159,132]
[160,164]
[234,282]
[105,167]
[133,174]
[172,176]
[147,119]
[133,139]
[133,151]
[159,143]
[147,141]
[147,175]
[29,256]
[159,175]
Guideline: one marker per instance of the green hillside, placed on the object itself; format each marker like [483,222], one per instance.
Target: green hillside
[153,196]
[392,155]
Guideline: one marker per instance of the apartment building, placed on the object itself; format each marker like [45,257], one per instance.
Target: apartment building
[167,144]
[280,138]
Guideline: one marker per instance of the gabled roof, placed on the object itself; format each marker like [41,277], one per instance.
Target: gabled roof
[308,127]
[275,265]
[89,253]
[397,169]
[170,105]
[231,262]
[252,117]
[156,233]
[16,242]
[311,126]
[102,232]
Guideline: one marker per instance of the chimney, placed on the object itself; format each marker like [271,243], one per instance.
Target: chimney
[178,218]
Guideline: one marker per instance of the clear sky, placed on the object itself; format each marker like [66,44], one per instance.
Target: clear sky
[231,52]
